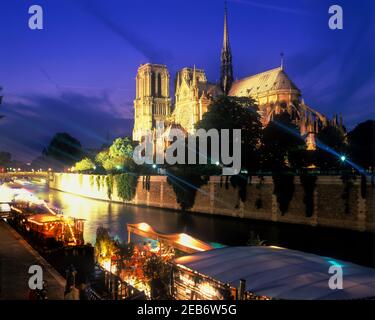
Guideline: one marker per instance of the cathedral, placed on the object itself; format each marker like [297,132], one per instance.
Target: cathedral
[273,91]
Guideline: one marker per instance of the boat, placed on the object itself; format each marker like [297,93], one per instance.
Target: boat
[47,224]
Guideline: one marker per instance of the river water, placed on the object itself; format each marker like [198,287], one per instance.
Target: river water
[357,247]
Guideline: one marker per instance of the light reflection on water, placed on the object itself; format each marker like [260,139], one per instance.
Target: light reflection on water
[358,247]
[109,215]
[115,216]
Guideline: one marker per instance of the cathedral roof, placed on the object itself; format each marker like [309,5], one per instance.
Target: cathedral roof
[274,79]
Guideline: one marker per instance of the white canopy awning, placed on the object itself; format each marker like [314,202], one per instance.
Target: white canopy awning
[281,273]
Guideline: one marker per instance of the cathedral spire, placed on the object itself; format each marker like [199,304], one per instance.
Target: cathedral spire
[226,72]
[226,34]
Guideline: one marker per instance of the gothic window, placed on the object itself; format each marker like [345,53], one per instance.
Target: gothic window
[152,84]
[159,85]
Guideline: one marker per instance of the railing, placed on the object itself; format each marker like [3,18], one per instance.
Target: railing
[91,294]
[111,287]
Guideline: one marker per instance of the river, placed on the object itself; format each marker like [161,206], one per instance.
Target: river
[357,247]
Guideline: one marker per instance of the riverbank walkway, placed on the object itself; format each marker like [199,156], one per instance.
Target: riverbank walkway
[16,256]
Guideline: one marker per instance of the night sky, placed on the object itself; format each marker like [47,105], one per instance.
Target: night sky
[78,74]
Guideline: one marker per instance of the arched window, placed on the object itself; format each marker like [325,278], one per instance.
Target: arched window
[152,84]
[159,85]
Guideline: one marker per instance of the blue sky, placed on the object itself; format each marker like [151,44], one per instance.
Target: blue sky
[78,74]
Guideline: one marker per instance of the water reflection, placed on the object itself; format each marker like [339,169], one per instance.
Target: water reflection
[348,245]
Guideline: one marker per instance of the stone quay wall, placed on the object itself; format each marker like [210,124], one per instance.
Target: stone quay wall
[335,203]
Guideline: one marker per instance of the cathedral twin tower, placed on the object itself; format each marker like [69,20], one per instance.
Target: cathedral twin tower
[152,102]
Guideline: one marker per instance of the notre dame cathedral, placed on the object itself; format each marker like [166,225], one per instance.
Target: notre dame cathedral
[273,91]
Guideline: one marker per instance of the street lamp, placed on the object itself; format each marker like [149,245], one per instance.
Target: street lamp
[343,158]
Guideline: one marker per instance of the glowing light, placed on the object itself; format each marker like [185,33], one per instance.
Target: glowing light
[140,285]
[189,242]
[185,238]
[276,247]
[144,227]
[15,209]
[154,166]
[343,158]
[5,207]
[187,281]
[207,289]
[107,265]
[6,194]
[217,163]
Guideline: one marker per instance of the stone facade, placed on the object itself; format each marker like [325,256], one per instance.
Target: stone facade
[152,102]
[193,95]
[218,197]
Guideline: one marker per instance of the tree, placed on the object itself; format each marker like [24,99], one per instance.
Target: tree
[157,273]
[282,149]
[105,246]
[126,185]
[282,145]
[237,113]
[362,144]
[185,183]
[102,158]
[5,158]
[121,147]
[64,150]
[331,145]
[119,156]
[85,164]
[124,252]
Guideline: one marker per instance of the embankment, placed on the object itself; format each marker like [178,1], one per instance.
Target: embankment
[325,200]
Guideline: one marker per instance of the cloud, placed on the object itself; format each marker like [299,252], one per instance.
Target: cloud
[31,122]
